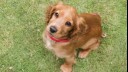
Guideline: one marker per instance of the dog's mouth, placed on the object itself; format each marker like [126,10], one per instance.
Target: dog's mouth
[62,39]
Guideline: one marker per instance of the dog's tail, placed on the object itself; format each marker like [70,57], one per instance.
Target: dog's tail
[103,35]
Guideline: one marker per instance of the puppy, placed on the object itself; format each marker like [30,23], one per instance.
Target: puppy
[66,30]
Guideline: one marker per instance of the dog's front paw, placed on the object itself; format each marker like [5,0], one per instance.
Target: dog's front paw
[66,68]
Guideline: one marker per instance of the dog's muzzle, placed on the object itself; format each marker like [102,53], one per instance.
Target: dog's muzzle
[53,29]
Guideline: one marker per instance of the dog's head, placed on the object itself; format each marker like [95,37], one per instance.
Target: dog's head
[63,21]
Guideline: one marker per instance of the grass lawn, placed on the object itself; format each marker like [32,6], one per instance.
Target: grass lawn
[22,49]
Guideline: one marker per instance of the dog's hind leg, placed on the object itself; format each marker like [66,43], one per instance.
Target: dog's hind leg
[90,45]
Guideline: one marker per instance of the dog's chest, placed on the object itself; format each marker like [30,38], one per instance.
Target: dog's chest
[54,47]
[48,43]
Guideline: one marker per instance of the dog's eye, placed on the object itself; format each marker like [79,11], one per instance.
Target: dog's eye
[68,23]
[56,14]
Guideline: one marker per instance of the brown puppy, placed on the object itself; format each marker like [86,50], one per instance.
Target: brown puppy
[67,30]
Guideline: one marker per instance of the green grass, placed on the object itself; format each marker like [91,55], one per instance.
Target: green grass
[22,49]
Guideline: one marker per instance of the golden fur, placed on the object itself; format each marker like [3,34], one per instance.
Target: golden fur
[85,32]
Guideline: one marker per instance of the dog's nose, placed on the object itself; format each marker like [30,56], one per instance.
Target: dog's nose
[53,29]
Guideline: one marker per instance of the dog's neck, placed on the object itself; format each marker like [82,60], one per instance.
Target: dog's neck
[58,40]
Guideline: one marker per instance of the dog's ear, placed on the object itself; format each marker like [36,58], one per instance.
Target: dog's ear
[80,27]
[50,11]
